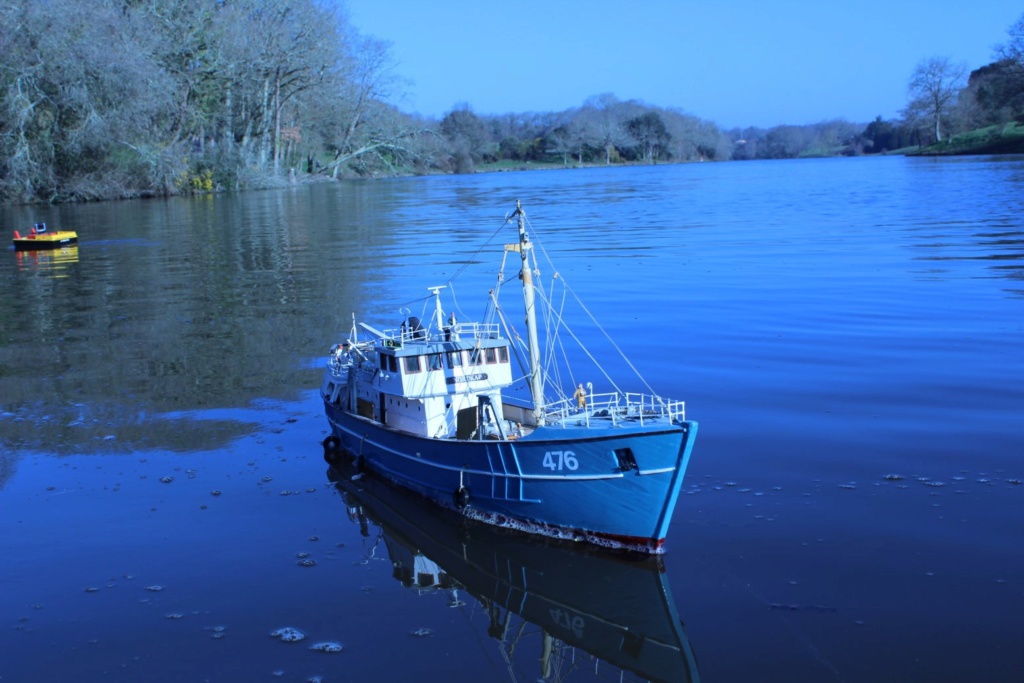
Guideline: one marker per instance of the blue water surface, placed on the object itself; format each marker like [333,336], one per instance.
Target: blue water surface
[848,332]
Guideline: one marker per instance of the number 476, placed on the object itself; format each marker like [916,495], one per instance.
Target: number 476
[560,460]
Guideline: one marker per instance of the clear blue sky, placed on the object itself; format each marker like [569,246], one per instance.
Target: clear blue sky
[734,62]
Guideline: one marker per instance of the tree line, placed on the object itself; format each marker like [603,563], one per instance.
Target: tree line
[604,130]
[115,98]
[124,98]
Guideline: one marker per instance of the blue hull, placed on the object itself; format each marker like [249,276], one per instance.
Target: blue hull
[560,482]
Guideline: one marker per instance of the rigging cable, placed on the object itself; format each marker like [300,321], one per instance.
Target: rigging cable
[598,325]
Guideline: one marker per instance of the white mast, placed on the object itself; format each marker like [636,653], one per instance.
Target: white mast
[438,313]
[536,379]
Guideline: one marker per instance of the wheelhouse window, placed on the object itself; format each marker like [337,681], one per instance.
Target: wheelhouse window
[392,363]
[383,362]
[476,357]
[412,364]
[492,356]
[434,361]
[454,359]
[503,354]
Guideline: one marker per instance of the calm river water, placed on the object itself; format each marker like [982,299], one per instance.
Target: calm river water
[848,332]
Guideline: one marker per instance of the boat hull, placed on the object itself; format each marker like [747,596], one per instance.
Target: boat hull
[558,482]
[52,240]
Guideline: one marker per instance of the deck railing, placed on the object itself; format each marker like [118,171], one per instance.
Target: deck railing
[616,407]
[401,335]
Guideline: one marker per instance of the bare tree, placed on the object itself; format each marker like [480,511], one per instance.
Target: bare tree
[572,137]
[933,89]
[649,131]
[282,50]
[179,37]
[1014,47]
[787,142]
[73,94]
[832,137]
[358,123]
[467,135]
[715,143]
[606,118]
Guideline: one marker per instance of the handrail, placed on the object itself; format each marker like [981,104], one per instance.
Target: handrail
[472,330]
[617,406]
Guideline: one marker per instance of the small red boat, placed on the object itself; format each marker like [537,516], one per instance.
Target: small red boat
[41,238]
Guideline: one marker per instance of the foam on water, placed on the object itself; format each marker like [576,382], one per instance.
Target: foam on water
[288,634]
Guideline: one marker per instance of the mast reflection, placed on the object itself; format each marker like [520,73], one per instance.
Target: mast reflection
[545,599]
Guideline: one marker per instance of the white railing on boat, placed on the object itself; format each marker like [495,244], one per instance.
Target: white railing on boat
[340,359]
[400,335]
[615,406]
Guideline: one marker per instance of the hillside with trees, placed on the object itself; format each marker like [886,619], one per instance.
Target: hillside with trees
[129,98]
[118,98]
[953,111]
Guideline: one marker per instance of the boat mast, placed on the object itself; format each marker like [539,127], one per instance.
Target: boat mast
[536,379]
[438,313]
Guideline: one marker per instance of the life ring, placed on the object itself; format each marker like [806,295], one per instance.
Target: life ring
[461,497]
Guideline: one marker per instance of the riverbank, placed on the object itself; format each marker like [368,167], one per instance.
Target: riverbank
[1004,138]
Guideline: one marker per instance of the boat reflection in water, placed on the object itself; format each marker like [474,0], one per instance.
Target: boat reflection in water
[614,606]
[53,262]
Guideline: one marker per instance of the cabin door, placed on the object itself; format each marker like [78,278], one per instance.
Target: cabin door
[382,413]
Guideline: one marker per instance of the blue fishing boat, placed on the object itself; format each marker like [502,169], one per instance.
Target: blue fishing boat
[431,406]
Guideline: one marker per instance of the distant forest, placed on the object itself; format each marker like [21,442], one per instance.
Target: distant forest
[126,98]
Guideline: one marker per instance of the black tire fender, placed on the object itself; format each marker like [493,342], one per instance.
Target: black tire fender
[332,449]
